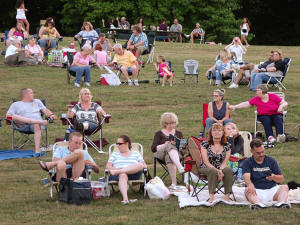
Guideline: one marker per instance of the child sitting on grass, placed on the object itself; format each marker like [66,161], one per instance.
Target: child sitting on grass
[162,67]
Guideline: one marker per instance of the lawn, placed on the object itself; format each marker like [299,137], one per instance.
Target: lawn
[136,111]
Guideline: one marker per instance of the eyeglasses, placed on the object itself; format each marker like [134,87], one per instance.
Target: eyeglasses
[120,143]
[216,95]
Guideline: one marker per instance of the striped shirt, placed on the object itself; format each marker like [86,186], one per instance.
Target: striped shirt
[120,161]
[89,115]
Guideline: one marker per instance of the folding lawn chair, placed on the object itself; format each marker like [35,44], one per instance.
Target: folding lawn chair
[204,116]
[3,39]
[132,183]
[151,48]
[96,144]
[192,162]
[257,122]
[225,79]
[157,80]
[83,40]
[24,137]
[191,69]
[52,183]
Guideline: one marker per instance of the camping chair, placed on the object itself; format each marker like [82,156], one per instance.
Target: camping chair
[151,48]
[204,115]
[70,73]
[3,39]
[157,80]
[36,36]
[96,144]
[257,122]
[83,40]
[225,79]
[276,80]
[191,69]
[52,172]
[141,182]
[25,137]
[192,162]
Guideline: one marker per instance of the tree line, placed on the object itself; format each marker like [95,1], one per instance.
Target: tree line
[273,22]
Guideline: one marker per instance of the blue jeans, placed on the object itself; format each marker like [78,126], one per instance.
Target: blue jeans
[43,43]
[257,79]
[80,71]
[272,120]
[219,76]
[209,122]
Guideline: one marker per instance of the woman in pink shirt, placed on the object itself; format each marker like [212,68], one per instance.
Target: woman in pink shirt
[100,55]
[81,66]
[34,51]
[269,111]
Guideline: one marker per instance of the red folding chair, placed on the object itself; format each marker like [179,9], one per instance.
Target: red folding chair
[96,144]
[204,115]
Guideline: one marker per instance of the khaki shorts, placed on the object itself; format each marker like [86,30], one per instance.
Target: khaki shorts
[163,155]
[140,50]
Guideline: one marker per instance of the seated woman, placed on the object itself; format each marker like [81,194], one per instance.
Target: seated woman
[124,165]
[215,155]
[48,34]
[166,151]
[234,138]
[222,68]
[81,66]
[85,112]
[87,33]
[218,110]
[34,51]
[269,111]
[17,32]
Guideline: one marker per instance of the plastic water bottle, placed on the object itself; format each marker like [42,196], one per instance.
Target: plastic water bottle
[157,28]
[168,28]
[67,134]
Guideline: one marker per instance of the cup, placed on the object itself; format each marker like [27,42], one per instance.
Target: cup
[9,117]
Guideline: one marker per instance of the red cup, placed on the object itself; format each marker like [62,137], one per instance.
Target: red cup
[9,117]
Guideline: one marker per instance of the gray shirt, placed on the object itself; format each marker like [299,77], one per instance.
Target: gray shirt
[31,110]
[176,28]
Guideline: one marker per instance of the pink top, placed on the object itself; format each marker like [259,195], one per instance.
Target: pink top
[101,57]
[162,66]
[18,34]
[82,60]
[36,49]
[266,108]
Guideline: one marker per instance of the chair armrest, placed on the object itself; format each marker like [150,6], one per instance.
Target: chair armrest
[106,118]
[61,39]
[75,38]
[255,113]
[8,121]
[106,175]
[284,112]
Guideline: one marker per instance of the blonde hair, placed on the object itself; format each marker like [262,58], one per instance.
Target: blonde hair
[224,54]
[221,92]
[279,51]
[168,117]
[233,126]
[162,58]
[87,23]
[82,91]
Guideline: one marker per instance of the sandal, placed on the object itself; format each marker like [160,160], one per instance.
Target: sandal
[43,166]
[132,200]
[125,202]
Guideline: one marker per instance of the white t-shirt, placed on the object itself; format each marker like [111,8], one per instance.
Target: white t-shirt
[120,161]
[20,14]
[11,50]
[31,110]
[238,51]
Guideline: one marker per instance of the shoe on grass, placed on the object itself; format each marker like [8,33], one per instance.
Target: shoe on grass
[76,85]
[233,85]
[282,205]
[271,139]
[87,84]
[281,138]
[258,206]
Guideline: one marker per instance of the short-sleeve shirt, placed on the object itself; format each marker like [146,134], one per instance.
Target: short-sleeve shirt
[89,115]
[259,172]
[223,66]
[266,108]
[198,30]
[120,161]
[142,37]
[62,152]
[238,50]
[101,57]
[176,28]
[163,26]
[31,110]
[36,49]
[88,34]
[82,60]
[125,25]
[127,59]
[213,158]
[11,50]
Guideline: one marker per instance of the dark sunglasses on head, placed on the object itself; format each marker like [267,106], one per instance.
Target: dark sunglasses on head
[120,143]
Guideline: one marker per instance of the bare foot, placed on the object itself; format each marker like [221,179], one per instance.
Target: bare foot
[227,199]
[211,199]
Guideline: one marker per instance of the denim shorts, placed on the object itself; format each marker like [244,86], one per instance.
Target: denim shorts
[135,176]
[28,128]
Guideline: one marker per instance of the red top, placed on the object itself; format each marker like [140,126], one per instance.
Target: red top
[266,108]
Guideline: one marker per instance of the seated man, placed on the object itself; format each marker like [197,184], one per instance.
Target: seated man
[71,161]
[252,69]
[106,46]
[127,62]
[198,32]
[176,27]
[15,54]
[124,24]
[262,175]
[138,42]
[26,114]
[276,68]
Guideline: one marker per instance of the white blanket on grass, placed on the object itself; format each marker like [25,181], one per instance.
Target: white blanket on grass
[185,199]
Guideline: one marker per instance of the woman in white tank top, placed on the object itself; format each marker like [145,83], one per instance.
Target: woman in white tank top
[245,28]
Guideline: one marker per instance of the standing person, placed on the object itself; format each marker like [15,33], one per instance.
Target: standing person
[176,27]
[245,28]
[21,17]
[237,49]
[269,111]
[218,110]
[164,150]
[262,175]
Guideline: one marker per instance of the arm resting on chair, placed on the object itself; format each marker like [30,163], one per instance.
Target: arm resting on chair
[94,166]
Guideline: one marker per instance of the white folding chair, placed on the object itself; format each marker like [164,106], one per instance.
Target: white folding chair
[191,69]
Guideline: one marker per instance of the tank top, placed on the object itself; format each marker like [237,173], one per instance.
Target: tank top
[244,27]
[18,34]
[21,14]
[219,114]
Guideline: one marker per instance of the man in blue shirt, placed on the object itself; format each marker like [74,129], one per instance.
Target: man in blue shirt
[138,41]
[262,175]
[71,161]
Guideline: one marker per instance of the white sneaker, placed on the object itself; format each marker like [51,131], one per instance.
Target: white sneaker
[282,205]
[77,85]
[186,35]
[136,83]
[258,206]
[271,139]
[129,82]
[233,85]
[87,84]
[172,187]
[281,138]
[181,170]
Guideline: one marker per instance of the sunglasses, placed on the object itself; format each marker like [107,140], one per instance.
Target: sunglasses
[120,143]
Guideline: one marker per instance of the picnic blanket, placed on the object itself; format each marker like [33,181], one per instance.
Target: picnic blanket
[17,154]
[185,200]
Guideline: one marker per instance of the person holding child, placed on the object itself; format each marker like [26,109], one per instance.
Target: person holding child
[162,67]
[48,35]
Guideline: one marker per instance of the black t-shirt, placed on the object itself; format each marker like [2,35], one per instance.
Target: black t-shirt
[259,172]
[279,65]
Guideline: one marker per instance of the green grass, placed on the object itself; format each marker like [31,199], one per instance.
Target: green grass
[136,112]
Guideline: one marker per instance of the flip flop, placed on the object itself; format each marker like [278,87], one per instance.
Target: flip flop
[132,200]
[43,166]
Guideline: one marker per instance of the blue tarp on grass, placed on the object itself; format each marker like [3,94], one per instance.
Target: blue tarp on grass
[17,154]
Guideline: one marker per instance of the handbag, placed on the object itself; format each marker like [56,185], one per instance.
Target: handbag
[75,192]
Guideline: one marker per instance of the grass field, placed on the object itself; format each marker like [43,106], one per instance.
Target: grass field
[136,112]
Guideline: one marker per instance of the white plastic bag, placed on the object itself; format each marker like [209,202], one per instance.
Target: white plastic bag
[111,79]
[156,189]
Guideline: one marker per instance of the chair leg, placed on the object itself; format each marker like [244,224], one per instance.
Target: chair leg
[154,168]
[13,139]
